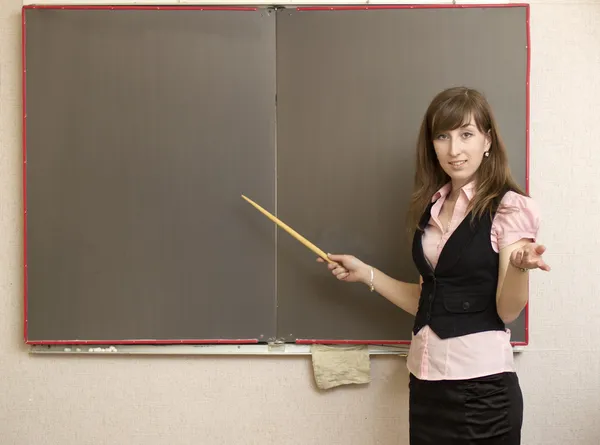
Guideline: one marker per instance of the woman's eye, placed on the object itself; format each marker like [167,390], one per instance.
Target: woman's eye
[441,136]
[467,135]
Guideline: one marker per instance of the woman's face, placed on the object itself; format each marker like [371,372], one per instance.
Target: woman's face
[461,151]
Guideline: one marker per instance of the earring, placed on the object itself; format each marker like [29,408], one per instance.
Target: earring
[486,154]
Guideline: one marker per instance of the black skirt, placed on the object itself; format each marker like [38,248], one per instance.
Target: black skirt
[481,411]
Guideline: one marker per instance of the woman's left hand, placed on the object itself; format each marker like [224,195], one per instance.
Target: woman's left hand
[529,256]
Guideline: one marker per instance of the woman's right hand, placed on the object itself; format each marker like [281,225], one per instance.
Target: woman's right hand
[348,268]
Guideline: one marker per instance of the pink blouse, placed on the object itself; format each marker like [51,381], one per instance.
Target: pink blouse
[483,353]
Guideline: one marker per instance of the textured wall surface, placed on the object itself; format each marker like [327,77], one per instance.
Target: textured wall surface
[204,400]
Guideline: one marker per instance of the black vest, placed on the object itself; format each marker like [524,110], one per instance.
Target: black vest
[459,296]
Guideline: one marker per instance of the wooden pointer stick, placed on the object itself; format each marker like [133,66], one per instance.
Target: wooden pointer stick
[291,231]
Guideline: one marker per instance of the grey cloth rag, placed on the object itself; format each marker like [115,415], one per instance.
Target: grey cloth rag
[340,365]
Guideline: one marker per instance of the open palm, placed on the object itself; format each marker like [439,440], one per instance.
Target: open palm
[529,257]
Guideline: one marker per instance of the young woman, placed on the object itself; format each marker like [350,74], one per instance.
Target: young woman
[474,241]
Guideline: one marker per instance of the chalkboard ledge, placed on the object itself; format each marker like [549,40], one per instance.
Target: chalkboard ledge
[263,349]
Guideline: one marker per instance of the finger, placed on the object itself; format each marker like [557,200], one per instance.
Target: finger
[339,270]
[337,258]
[539,249]
[518,257]
[347,260]
[343,276]
[543,266]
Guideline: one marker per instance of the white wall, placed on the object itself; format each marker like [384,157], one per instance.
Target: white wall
[237,401]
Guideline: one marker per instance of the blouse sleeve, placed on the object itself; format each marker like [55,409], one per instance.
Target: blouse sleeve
[517,218]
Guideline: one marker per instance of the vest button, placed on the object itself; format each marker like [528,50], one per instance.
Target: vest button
[430,297]
[466,305]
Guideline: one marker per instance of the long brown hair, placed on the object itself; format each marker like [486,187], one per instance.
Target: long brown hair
[448,111]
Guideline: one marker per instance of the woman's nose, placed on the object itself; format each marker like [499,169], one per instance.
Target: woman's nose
[454,148]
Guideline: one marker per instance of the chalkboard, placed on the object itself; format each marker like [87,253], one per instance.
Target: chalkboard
[144,126]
